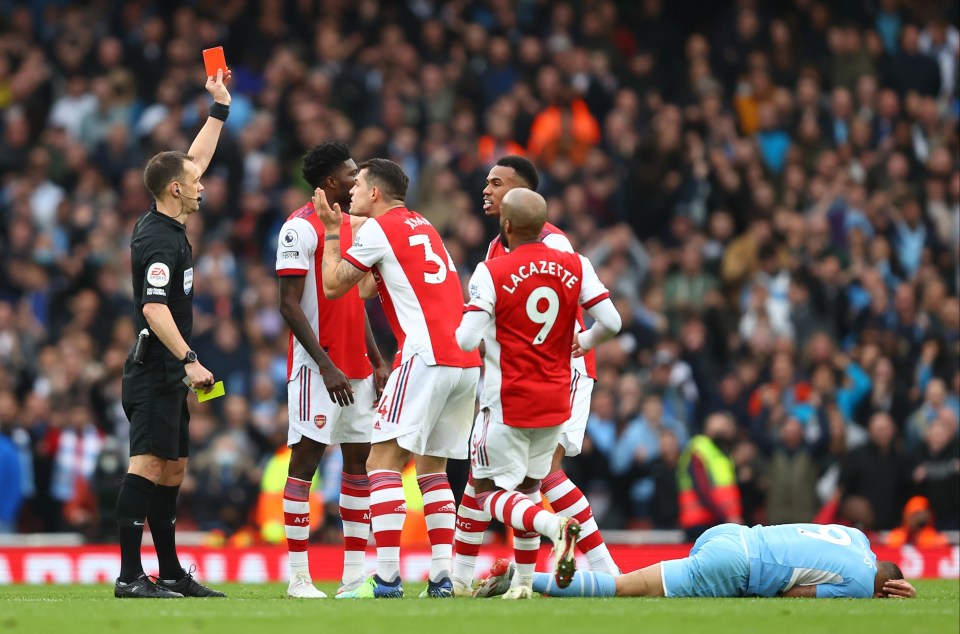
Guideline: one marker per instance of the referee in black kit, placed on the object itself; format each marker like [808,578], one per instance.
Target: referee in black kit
[154,393]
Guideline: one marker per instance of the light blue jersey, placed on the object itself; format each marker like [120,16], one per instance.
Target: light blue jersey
[736,561]
[837,559]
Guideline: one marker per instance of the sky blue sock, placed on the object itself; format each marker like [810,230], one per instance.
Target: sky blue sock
[584,584]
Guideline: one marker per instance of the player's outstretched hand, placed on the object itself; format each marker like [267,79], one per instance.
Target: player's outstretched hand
[330,217]
[217,86]
[338,386]
[899,589]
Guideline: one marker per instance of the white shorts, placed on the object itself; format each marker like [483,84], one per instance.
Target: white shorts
[314,415]
[572,431]
[428,409]
[507,454]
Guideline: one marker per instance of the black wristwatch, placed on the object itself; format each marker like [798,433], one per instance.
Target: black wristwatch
[190,357]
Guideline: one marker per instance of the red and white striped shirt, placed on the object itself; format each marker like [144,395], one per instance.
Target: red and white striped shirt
[418,285]
[534,294]
[554,238]
[338,323]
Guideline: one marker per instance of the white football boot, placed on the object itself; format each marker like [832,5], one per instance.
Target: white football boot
[301,587]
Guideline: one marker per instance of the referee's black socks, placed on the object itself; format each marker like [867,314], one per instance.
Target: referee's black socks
[132,504]
[163,519]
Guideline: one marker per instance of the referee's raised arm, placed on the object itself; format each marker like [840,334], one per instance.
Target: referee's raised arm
[205,144]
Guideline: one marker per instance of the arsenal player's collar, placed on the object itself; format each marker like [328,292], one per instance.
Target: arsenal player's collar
[525,244]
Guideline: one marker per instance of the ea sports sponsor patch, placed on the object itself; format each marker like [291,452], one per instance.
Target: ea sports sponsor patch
[290,238]
[158,274]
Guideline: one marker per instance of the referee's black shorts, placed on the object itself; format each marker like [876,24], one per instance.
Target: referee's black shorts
[157,411]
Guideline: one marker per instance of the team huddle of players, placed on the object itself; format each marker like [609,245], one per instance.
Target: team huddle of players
[524,315]
[523,323]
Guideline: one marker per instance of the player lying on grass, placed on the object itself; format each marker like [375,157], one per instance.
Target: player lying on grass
[790,560]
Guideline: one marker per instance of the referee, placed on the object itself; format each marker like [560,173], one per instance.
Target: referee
[154,394]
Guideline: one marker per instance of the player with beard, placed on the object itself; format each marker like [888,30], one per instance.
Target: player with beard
[427,404]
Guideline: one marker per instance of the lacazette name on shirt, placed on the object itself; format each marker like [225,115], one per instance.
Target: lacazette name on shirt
[540,267]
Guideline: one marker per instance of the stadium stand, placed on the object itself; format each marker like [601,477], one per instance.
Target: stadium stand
[771,190]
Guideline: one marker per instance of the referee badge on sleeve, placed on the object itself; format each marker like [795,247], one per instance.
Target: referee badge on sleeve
[188,281]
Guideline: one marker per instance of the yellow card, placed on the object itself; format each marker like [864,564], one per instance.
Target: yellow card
[216,392]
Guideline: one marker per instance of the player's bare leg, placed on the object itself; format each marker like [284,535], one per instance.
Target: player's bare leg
[304,458]
[646,582]
[354,513]
[568,500]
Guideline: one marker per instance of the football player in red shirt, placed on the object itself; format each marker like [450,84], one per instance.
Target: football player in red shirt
[524,306]
[427,404]
[565,497]
[331,386]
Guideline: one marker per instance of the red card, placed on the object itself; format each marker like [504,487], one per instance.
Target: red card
[213,59]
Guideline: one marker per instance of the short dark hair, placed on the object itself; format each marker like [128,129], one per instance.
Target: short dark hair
[889,570]
[163,169]
[323,160]
[387,176]
[524,169]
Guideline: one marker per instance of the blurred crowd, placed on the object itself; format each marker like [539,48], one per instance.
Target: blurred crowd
[770,190]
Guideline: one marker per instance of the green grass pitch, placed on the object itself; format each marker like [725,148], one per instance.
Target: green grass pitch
[264,609]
